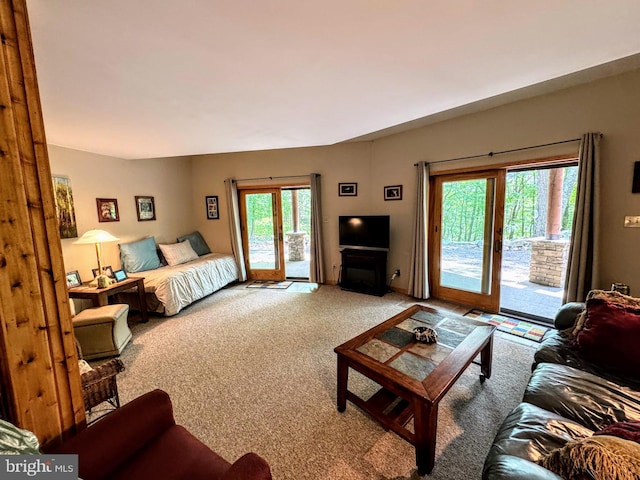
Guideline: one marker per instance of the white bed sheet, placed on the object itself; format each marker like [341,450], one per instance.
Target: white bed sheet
[180,285]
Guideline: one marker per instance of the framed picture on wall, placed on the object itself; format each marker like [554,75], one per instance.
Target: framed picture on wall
[107,210]
[145,208]
[64,206]
[393,192]
[347,189]
[212,207]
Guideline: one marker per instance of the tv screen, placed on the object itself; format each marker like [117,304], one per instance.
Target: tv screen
[364,232]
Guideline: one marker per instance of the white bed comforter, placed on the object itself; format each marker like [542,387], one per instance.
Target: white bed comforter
[180,285]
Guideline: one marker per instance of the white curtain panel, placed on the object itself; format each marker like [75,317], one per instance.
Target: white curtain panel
[418,278]
[234,227]
[316,270]
[583,260]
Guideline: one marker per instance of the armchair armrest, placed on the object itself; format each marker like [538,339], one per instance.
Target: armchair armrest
[112,440]
[248,467]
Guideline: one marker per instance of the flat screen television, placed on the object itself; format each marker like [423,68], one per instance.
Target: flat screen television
[366,232]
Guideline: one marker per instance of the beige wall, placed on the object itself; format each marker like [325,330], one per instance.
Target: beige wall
[96,176]
[611,106]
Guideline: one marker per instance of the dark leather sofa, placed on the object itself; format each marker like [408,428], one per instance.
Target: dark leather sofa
[567,398]
[141,440]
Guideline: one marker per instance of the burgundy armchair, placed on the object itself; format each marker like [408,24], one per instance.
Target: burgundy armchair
[141,440]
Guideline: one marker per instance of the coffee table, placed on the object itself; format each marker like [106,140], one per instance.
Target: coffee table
[414,376]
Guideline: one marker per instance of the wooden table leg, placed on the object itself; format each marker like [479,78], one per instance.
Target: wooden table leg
[486,356]
[425,425]
[343,377]
[143,301]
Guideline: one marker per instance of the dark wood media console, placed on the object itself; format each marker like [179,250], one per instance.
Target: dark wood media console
[364,271]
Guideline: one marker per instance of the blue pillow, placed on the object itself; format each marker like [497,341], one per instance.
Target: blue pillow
[197,243]
[139,256]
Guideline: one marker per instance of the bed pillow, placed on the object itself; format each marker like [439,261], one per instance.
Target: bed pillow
[139,256]
[177,253]
[609,336]
[198,243]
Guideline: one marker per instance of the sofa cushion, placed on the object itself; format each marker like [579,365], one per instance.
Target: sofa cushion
[582,397]
[198,243]
[613,458]
[139,256]
[609,335]
[178,253]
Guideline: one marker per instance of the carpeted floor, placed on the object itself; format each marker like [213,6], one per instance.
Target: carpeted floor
[252,370]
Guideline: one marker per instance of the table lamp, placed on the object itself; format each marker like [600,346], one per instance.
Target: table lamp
[97,237]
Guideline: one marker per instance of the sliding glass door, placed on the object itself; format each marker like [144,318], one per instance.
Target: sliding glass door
[261,216]
[466,245]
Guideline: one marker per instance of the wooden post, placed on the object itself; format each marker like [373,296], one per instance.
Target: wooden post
[38,360]
[295,213]
[554,206]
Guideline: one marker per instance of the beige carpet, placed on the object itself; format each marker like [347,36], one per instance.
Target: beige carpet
[254,370]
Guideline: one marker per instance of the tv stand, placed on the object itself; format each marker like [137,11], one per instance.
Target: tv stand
[364,271]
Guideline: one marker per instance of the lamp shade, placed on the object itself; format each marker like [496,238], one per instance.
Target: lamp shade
[96,236]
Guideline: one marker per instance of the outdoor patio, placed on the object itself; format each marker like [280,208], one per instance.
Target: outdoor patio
[517,293]
[461,268]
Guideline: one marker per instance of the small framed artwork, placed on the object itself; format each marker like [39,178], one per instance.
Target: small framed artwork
[73,279]
[393,192]
[120,275]
[106,270]
[107,210]
[348,189]
[212,207]
[145,208]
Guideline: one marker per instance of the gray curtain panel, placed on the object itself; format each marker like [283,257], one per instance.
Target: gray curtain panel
[316,270]
[234,226]
[583,261]
[418,278]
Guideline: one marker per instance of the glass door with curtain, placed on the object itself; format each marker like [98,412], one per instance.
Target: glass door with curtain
[466,244]
[261,218]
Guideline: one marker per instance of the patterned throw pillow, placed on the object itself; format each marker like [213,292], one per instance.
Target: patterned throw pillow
[16,441]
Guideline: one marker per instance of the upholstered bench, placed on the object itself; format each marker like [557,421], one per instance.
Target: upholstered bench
[102,331]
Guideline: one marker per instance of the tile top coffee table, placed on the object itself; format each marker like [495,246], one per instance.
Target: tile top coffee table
[414,376]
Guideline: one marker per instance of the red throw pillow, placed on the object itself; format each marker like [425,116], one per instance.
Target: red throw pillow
[610,336]
[627,430]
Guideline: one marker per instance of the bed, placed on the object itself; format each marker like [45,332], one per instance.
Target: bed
[170,288]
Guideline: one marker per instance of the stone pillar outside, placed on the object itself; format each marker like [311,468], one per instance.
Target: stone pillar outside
[296,246]
[548,261]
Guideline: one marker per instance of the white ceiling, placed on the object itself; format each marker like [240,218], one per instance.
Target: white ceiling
[157,78]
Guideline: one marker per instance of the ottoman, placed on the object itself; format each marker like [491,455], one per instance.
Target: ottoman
[102,331]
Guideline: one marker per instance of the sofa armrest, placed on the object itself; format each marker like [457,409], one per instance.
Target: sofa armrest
[516,468]
[111,441]
[248,467]
[567,315]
